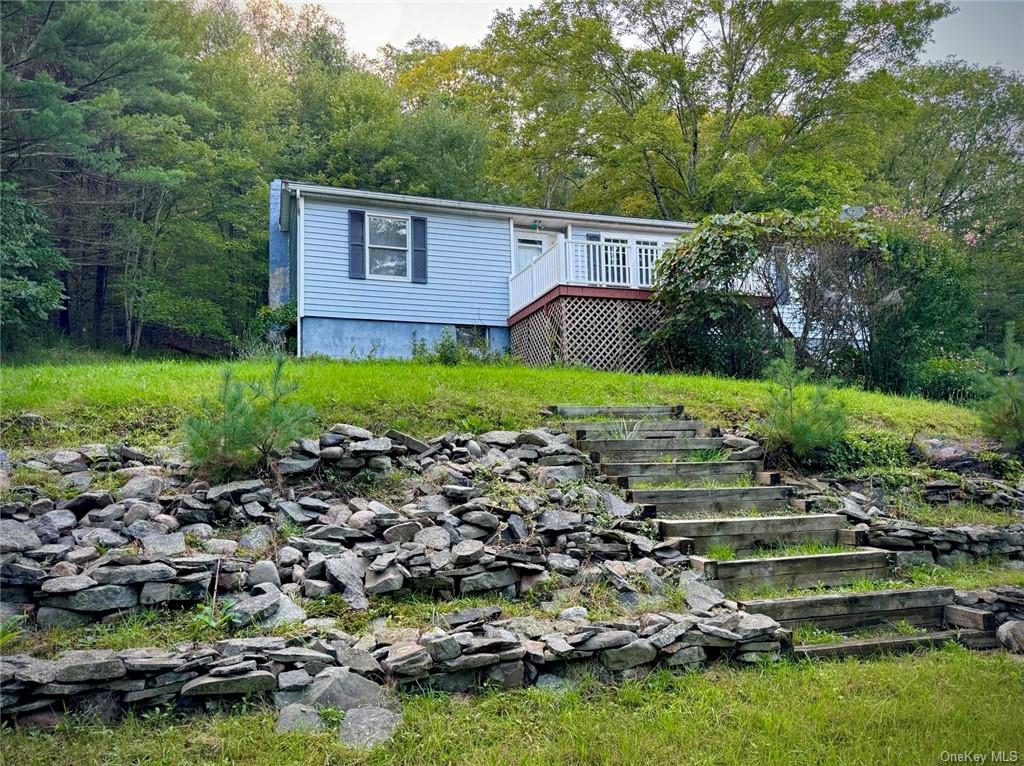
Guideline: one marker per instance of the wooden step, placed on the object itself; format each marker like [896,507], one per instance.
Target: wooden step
[745,535]
[805,571]
[625,472]
[638,411]
[650,448]
[689,503]
[956,616]
[642,429]
[843,611]
[862,647]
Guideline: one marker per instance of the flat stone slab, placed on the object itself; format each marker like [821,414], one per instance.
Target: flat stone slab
[88,665]
[299,717]
[101,598]
[169,545]
[69,584]
[342,689]
[364,727]
[245,683]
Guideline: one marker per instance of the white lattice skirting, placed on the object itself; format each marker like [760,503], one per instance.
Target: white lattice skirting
[596,332]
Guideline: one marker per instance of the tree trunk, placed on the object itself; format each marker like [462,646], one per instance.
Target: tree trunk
[64,314]
[99,302]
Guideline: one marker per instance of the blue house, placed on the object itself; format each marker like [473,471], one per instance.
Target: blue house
[372,272]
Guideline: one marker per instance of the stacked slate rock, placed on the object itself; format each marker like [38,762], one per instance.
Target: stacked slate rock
[990,493]
[919,544]
[457,542]
[947,546]
[984,491]
[77,468]
[100,554]
[464,651]
[348,450]
[1005,602]
[154,542]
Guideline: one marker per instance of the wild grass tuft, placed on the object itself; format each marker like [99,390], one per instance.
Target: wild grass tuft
[699,482]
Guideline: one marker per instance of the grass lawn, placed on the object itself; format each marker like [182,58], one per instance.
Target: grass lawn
[882,711]
[142,401]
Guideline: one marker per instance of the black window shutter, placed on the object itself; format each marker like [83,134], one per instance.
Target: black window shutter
[419,250]
[591,237]
[356,244]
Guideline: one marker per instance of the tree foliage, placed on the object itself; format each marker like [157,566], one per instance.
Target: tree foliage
[865,299]
[147,132]
[30,287]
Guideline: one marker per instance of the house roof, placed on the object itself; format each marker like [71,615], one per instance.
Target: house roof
[520,215]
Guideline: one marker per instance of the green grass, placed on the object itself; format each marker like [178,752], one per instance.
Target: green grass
[694,456]
[805,548]
[51,484]
[701,482]
[143,401]
[974,575]
[953,514]
[722,552]
[808,634]
[164,628]
[890,710]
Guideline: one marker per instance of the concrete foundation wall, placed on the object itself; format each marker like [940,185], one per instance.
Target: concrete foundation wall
[362,338]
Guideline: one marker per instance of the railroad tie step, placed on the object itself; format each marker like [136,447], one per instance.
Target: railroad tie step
[638,411]
[896,644]
[696,502]
[930,606]
[749,534]
[630,474]
[633,429]
[798,571]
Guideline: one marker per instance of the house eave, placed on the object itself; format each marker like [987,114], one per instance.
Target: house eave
[520,214]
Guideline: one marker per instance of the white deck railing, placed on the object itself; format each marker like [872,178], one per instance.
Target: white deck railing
[581,262]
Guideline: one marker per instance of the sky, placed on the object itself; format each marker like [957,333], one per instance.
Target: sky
[983,32]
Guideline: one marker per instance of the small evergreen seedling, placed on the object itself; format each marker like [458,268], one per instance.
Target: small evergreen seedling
[1002,413]
[246,423]
[802,417]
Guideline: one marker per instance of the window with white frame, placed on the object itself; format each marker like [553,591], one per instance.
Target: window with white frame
[387,247]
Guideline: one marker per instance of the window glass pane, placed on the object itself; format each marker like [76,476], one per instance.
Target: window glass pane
[526,251]
[387,263]
[389,232]
[471,336]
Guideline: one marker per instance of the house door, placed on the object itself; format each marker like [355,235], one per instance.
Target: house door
[530,245]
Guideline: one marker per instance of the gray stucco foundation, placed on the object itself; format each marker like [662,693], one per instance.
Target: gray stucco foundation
[364,338]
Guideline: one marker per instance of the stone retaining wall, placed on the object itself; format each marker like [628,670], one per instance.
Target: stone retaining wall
[917,544]
[102,554]
[467,650]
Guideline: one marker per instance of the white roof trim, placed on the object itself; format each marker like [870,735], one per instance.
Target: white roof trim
[485,208]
